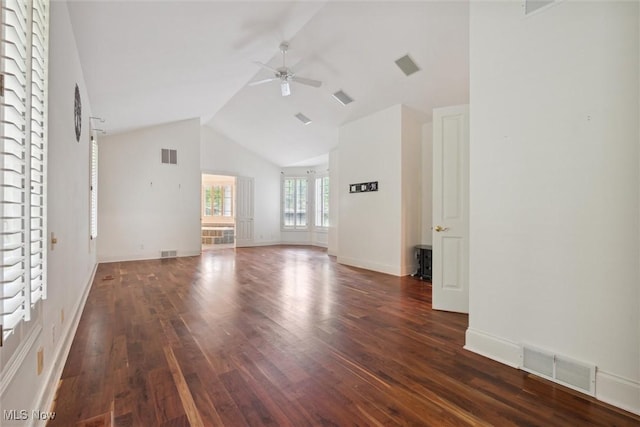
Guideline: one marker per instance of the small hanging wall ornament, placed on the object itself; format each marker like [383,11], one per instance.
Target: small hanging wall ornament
[77,113]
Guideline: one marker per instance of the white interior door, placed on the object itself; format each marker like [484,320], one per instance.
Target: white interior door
[451,209]
[244,211]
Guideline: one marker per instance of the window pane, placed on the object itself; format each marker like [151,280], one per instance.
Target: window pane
[301,202]
[318,202]
[325,201]
[228,202]
[322,202]
[217,200]
[289,202]
[208,201]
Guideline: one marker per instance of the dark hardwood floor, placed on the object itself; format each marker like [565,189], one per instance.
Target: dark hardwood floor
[285,336]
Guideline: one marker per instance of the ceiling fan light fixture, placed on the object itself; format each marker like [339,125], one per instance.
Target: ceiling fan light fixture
[342,97]
[407,65]
[304,119]
[285,89]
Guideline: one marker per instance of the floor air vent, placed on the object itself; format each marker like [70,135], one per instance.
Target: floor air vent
[568,372]
[168,254]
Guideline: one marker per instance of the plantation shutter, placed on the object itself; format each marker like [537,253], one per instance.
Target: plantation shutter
[94,187]
[23,140]
[39,57]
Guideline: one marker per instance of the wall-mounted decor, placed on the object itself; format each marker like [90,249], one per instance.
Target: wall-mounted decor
[363,187]
[77,113]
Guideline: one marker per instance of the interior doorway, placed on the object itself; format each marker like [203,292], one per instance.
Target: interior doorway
[218,214]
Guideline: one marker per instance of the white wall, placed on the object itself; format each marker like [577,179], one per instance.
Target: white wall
[427,184]
[334,202]
[146,206]
[554,207]
[370,223]
[71,264]
[411,170]
[219,155]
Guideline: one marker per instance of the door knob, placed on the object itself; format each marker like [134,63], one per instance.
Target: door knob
[440,228]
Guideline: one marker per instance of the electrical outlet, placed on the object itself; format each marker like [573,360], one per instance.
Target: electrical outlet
[40,360]
[62,316]
[53,334]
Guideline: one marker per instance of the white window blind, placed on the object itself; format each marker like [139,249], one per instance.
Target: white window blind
[23,150]
[94,187]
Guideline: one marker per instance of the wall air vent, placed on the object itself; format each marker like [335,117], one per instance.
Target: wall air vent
[169,254]
[407,65]
[304,119]
[169,156]
[342,97]
[531,6]
[560,369]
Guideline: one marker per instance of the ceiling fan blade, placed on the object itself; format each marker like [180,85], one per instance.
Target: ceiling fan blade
[308,82]
[265,66]
[259,82]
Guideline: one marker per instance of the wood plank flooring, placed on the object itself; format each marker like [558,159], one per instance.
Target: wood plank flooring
[285,336]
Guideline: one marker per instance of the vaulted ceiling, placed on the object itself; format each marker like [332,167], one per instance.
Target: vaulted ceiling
[152,62]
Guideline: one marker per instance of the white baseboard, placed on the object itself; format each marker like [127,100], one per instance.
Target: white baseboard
[256,244]
[493,347]
[50,386]
[145,257]
[368,265]
[615,390]
[618,391]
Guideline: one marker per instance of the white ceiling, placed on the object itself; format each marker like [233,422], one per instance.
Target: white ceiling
[147,63]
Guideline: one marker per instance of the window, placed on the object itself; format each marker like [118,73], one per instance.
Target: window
[23,131]
[294,210]
[218,200]
[322,202]
[94,187]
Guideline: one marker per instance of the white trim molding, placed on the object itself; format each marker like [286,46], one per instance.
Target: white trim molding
[48,392]
[610,388]
[618,391]
[493,347]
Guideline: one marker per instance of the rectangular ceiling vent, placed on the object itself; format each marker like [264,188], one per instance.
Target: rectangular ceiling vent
[169,253]
[169,156]
[531,6]
[407,65]
[560,369]
[342,97]
[304,119]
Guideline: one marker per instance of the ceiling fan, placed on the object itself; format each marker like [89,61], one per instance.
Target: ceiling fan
[284,74]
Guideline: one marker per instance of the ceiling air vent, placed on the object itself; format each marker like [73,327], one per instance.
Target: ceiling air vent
[342,97]
[169,156]
[304,119]
[531,6]
[407,65]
